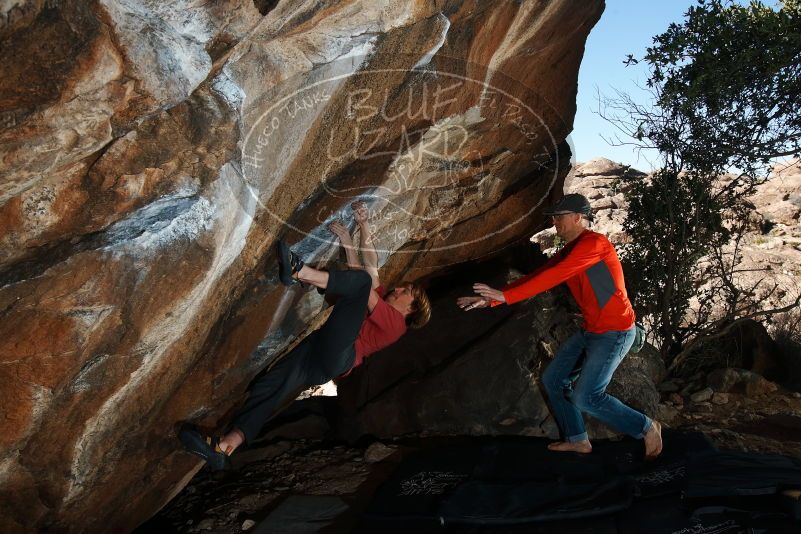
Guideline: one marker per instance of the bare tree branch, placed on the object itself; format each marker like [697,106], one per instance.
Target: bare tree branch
[720,332]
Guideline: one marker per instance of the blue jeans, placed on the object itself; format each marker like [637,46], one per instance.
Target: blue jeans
[604,352]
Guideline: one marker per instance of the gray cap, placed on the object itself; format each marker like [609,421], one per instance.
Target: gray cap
[572,203]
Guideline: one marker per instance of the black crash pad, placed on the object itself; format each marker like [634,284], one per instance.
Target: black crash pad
[514,484]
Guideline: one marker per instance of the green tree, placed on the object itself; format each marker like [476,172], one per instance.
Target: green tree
[725,84]
[733,74]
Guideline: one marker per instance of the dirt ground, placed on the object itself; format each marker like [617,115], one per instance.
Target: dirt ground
[767,424]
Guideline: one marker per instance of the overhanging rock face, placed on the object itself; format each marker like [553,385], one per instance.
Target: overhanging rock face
[152,153]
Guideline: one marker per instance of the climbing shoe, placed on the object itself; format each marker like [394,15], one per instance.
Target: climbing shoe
[288,264]
[207,447]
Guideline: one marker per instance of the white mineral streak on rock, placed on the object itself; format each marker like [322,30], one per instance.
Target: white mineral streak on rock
[165,43]
[530,19]
[339,44]
[229,89]
[284,305]
[41,398]
[187,226]
[306,308]
[339,34]
[426,59]
[18,13]
[233,209]
[7,466]
[161,223]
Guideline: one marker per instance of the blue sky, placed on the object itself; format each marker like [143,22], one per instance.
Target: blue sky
[626,27]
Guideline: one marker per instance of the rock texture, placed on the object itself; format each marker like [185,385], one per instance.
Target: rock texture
[153,152]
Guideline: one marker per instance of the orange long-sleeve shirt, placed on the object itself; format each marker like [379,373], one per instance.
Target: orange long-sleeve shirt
[590,267]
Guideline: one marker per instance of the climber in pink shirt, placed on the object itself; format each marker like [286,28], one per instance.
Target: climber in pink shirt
[365,319]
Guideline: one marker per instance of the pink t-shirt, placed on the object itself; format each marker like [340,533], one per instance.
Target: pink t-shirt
[382,327]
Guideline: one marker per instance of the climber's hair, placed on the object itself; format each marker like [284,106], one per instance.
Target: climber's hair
[421,308]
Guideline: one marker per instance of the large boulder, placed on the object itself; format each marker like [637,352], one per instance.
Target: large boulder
[152,153]
[778,200]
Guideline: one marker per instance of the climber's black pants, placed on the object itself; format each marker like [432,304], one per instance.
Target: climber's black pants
[325,354]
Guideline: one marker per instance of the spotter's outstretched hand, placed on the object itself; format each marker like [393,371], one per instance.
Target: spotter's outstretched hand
[471,303]
[489,293]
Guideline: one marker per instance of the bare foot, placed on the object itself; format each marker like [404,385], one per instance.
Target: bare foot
[581,447]
[653,441]
[231,441]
